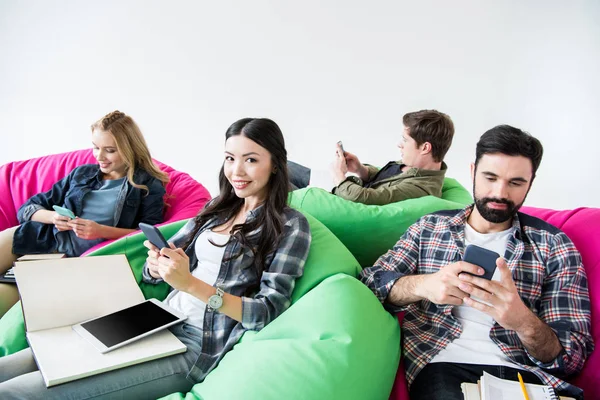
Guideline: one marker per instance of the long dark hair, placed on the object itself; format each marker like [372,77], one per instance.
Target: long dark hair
[267,134]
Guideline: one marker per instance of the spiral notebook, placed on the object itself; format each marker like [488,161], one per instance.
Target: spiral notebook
[492,388]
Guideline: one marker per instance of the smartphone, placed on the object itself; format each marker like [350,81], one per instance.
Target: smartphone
[154,235]
[65,212]
[339,143]
[115,330]
[484,258]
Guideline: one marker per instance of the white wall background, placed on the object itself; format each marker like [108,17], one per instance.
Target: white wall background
[324,70]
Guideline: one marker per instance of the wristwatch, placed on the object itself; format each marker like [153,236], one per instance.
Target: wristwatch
[216,300]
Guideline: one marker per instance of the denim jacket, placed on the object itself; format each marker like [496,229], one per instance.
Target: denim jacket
[264,295]
[133,205]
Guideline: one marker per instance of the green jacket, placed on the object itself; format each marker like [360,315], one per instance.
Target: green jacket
[410,184]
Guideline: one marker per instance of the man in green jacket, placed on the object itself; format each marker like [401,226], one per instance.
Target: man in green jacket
[425,141]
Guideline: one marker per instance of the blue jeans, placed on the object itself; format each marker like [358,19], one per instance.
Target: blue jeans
[442,380]
[21,379]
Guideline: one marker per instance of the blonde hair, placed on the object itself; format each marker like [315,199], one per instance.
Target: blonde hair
[131,146]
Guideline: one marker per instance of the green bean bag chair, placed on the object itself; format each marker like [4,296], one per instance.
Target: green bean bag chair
[335,341]
[369,231]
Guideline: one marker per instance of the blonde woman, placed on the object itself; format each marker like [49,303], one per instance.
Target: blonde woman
[233,268]
[109,198]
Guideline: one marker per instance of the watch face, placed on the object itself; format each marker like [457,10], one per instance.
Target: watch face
[215,301]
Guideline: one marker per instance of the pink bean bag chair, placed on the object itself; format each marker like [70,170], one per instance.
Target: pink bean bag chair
[582,225]
[20,180]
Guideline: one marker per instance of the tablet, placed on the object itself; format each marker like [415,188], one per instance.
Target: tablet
[115,330]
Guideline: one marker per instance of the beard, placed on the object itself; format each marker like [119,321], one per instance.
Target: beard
[494,215]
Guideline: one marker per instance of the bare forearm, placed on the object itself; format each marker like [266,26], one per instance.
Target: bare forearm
[43,216]
[363,173]
[232,305]
[111,232]
[540,340]
[405,290]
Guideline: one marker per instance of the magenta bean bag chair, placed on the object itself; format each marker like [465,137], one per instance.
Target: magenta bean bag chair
[20,180]
[582,225]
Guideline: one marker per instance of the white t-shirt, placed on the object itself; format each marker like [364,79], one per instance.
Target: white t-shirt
[209,264]
[474,345]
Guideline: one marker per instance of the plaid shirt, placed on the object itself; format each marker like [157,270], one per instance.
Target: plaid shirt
[264,296]
[547,271]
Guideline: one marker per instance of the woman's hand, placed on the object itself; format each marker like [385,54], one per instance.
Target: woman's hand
[174,267]
[86,228]
[61,222]
[152,259]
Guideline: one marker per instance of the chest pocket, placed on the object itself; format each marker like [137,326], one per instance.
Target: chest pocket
[241,268]
[529,281]
[433,257]
[432,260]
[132,203]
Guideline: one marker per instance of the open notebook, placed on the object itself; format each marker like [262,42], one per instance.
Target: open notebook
[9,276]
[492,388]
[56,294]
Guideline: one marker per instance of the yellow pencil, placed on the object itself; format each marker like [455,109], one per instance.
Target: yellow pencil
[525,396]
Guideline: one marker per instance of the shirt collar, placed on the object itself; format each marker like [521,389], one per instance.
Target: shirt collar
[422,172]
[460,219]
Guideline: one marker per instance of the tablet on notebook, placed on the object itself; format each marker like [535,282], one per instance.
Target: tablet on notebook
[115,330]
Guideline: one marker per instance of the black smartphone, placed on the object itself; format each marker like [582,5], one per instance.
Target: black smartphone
[484,258]
[154,236]
[341,146]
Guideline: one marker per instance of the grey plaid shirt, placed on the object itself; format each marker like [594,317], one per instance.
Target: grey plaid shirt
[264,296]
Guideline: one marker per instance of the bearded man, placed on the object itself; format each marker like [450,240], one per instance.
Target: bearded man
[532,317]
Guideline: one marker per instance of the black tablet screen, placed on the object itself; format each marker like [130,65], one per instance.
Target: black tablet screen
[126,324]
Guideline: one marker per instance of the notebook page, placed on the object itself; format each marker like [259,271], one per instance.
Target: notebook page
[493,388]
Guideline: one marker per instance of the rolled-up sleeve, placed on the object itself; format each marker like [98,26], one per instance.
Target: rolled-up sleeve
[566,308]
[278,279]
[45,200]
[401,260]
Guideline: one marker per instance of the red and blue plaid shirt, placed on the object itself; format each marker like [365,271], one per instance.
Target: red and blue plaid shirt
[547,271]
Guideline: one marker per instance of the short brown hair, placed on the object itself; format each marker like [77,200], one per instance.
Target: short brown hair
[431,126]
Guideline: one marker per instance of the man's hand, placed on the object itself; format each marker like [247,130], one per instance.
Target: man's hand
[506,308]
[86,228]
[61,222]
[509,311]
[442,287]
[338,166]
[354,165]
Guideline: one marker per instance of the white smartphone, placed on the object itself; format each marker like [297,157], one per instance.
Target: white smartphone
[115,330]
